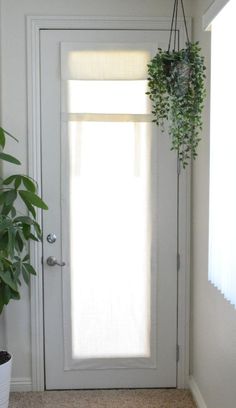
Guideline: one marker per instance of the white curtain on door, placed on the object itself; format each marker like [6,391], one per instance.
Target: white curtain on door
[108,115]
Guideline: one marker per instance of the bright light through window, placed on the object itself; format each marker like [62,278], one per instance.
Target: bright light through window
[222,228]
[108,97]
[110,243]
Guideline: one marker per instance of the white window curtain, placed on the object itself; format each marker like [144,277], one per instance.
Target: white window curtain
[108,127]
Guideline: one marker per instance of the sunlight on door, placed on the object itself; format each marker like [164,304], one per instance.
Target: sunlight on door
[110,238]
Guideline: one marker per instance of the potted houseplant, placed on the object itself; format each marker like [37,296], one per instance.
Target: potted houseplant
[16,230]
[176,88]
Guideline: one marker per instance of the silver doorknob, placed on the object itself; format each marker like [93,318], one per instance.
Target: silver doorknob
[52,261]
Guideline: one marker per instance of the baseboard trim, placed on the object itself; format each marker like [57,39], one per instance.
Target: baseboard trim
[22,384]
[196,393]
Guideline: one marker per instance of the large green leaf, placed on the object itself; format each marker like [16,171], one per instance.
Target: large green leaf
[24,220]
[33,199]
[34,238]
[10,179]
[17,181]
[29,184]
[6,294]
[7,209]
[7,279]
[12,241]
[9,158]
[30,207]
[29,268]
[3,241]
[13,212]
[19,242]
[5,223]
[38,230]
[10,197]
[18,268]
[25,274]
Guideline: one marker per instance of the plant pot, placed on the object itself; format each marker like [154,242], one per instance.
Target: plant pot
[5,378]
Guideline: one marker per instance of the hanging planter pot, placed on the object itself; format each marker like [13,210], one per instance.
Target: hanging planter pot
[177,91]
[5,378]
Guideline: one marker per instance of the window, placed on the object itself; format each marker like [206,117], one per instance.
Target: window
[222,214]
[109,132]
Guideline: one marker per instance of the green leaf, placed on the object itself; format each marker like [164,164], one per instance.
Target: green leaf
[2,138]
[10,179]
[30,268]
[25,274]
[17,181]
[29,184]
[30,207]
[10,197]
[34,238]
[23,219]
[33,199]
[5,223]
[9,158]
[3,242]
[13,212]
[18,268]
[6,209]
[26,231]
[6,294]
[19,242]
[9,134]
[11,242]
[7,279]
[38,230]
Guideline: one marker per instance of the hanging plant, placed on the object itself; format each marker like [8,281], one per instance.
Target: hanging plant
[177,91]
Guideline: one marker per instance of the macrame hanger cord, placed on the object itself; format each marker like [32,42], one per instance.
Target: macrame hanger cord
[185,24]
[176,19]
[174,23]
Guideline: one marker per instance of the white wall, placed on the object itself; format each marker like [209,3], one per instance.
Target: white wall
[14,113]
[213,357]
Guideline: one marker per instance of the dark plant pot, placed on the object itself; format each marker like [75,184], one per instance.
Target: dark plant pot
[179,73]
[5,378]
[167,64]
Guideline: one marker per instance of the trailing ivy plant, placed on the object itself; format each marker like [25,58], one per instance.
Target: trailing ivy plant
[16,228]
[177,91]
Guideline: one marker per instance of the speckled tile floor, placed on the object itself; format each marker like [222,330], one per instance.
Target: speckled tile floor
[152,398]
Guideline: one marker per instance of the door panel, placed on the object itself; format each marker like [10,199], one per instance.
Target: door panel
[111,185]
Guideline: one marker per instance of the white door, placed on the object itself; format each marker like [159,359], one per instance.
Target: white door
[110,182]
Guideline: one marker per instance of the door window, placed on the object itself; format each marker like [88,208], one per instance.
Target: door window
[109,179]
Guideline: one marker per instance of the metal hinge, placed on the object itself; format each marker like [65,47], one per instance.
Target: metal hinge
[177,353]
[178,262]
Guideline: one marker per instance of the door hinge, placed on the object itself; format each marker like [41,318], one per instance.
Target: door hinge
[178,262]
[177,353]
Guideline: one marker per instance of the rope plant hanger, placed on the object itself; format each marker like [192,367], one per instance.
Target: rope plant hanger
[176,88]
